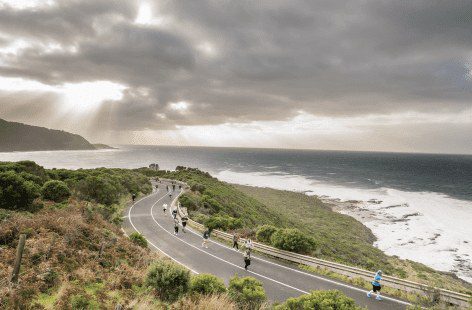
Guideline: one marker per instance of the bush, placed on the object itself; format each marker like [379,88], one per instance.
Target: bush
[17,193]
[56,191]
[80,302]
[223,222]
[169,280]
[138,239]
[207,284]
[320,300]
[246,292]
[265,232]
[198,188]
[100,189]
[291,239]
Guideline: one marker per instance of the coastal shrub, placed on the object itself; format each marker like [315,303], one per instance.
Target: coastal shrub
[265,232]
[223,222]
[138,239]
[99,189]
[17,193]
[198,188]
[291,239]
[246,292]
[56,191]
[207,284]
[210,203]
[189,201]
[169,280]
[320,300]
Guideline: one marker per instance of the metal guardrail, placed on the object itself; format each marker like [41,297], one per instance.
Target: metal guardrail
[455,298]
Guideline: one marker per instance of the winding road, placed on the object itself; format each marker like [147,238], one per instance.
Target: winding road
[280,281]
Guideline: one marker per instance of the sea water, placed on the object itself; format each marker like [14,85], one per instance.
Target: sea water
[419,206]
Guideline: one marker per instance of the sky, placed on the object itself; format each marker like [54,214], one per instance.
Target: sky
[368,75]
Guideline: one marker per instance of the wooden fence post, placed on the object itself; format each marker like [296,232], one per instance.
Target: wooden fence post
[19,255]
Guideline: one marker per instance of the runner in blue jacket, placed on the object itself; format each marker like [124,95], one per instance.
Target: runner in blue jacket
[376,286]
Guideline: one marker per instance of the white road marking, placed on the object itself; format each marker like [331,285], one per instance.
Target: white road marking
[221,259]
[131,221]
[305,273]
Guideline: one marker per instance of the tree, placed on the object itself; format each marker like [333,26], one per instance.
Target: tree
[17,193]
[329,300]
[291,239]
[247,292]
[56,191]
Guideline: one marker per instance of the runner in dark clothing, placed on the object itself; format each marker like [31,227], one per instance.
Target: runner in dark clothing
[133,196]
[247,259]
[184,223]
[174,213]
[173,187]
[176,226]
[206,236]
[235,242]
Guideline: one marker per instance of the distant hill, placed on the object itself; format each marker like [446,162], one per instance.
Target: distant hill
[22,137]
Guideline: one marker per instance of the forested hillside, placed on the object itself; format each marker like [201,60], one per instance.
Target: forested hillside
[21,137]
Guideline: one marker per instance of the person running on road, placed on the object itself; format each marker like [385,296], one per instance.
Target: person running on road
[173,187]
[376,286]
[247,259]
[206,236]
[248,244]
[157,186]
[184,223]
[235,242]
[174,213]
[167,187]
[164,207]
[170,195]
[176,226]
[133,196]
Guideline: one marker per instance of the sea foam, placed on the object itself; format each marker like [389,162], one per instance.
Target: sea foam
[426,227]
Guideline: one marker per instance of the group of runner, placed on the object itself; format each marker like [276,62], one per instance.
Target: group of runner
[248,244]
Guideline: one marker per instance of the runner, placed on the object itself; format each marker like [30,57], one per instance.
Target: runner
[248,244]
[206,236]
[173,187]
[157,186]
[247,259]
[235,242]
[184,223]
[176,226]
[164,207]
[376,286]
[174,213]
[133,196]
[170,195]
[167,187]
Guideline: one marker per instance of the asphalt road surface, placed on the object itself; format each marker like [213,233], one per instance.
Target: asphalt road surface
[280,281]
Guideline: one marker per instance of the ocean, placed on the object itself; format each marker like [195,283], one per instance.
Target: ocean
[419,206]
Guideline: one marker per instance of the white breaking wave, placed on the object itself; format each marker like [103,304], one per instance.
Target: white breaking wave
[426,227]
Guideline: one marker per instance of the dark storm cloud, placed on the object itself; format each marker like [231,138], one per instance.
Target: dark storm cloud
[271,58]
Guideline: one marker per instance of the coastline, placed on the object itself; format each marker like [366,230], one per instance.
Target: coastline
[402,223]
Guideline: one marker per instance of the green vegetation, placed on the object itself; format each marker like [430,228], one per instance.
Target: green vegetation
[55,190]
[21,137]
[332,236]
[290,239]
[169,280]
[207,284]
[320,300]
[77,257]
[138,239]
[16,192]
[247,292]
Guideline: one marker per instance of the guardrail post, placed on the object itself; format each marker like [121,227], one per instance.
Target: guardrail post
[19,255]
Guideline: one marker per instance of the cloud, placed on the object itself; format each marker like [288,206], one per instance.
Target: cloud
[243,62]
